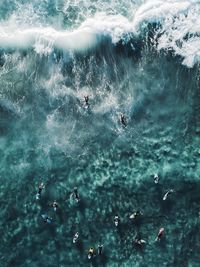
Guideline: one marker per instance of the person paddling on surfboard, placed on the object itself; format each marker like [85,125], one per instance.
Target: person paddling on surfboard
[116,220]
[75,194]
[39,192]
[86,98]
[136,215]
[75,238]
[46,218]
[55,205]
[160,234]
[138,241]
[167,194]
[100,249]
[90,253]
[156,178]
[123,120]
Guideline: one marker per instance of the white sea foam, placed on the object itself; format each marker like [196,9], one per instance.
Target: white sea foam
[43,40]
[179,31]
[180,26]
[157,11]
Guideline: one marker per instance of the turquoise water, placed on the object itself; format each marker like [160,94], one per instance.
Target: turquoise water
[128,60]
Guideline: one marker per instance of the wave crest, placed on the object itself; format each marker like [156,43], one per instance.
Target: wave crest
[178,31]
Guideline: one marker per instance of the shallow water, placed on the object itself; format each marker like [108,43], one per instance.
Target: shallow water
[131,59]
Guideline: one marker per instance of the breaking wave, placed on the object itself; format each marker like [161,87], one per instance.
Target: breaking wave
[176,26]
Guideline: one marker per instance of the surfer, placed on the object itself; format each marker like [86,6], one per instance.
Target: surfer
[90,253]
[55,205]
[86,98]
[46,218]
[100,249]
[136,215]
[156,178]
[75,194]
[167,194]
[138,241]
[75,238]
[160,234]
[116,220]
[40,188]
[123,120]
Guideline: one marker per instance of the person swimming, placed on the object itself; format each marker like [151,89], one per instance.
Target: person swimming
[167,194]
[123,120]
[46,218]
[160,234]
[39,192]
[75,238]
[116,220]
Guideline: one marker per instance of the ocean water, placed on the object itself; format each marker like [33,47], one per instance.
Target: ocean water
[138,58]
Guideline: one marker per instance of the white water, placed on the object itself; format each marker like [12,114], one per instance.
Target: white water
[178,19]
[43,40]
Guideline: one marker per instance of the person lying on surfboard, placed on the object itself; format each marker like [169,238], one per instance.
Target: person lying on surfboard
[156,178]
[167,194]
[75,194]
[116,220]
[100,249]
[137,214]
[86,98]
[138,241]
[123,120]
[55,205]
[90,253]
[39,192]
[75,238]
[160,234]
[46,218]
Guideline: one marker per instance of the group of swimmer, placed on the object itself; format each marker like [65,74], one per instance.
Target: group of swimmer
[138,214]
[91,252]
[75,196]
[138,239]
